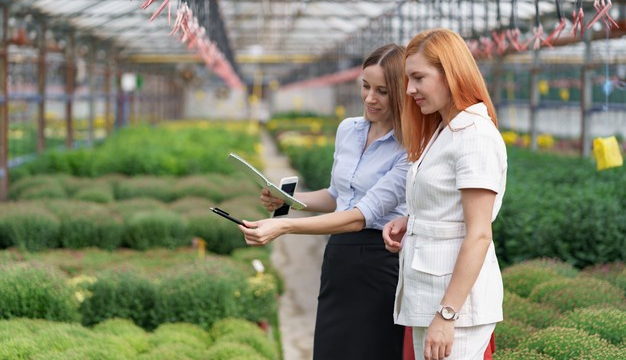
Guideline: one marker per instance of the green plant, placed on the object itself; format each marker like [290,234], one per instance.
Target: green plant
[520,309]
[34,291]
[28,226]
[120,295]
[199,294]
[135,336]
[510,333]
[615,273]
[128,208]
[522,278]
[146,186]
[100,193]
[191,204]
[566,294]
[520,354]
[181,333]
[567,344]
[228,350]
[229,326]
[158,228]
[258,299]
[199,186]
[608,323]
[261,344]
[86,224]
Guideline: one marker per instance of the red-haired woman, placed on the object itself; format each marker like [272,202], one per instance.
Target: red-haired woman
[450,287]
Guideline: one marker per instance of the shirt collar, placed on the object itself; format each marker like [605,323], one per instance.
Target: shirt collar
[361,124]
[465,118]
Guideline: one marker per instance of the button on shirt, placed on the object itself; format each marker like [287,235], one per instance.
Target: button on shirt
[373,179]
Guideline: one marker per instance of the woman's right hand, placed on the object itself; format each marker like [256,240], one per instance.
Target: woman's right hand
[393,232]
[270,202]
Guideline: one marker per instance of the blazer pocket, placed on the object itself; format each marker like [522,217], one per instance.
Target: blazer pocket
[436,259]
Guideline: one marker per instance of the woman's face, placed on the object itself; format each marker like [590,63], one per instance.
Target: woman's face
[375,94]
[427,85]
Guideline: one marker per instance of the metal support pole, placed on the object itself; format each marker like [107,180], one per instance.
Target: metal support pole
[91,64]
[41,88]
[69,90]
[107,93]
[496,84]
[586,97]
[4,105]
[119,108]
[534,99]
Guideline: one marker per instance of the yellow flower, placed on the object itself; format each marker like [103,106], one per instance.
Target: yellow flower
[545,141]
[510,138]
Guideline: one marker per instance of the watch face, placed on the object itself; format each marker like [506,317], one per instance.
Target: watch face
[447,313]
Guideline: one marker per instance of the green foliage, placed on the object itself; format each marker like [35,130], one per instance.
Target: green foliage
[567,344]
[568,294]
[120,295]
[191,204]
[615,273]
[314,164]
[85,224]
[199,186]
[156,228]
[520,354]
[523,310]
[35,292]
[258,299]
[21,188]
[510,333]
[158,188]
[100,193]
[522,278]
[261,344]
[199,294]
[28,226]
[128,208]
[229,350]
[135,336]
[262,253]
[562,208]
[161,150]
[221,236]
[608,323]
[230,326]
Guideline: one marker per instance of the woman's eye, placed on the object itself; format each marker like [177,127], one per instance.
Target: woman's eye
[365,86]
[382,92]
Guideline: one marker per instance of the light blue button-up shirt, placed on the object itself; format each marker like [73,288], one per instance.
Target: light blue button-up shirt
[373,180]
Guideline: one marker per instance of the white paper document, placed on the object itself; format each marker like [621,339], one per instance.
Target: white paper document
[263,182]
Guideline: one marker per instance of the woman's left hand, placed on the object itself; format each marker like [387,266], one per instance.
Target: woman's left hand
[263,232]
[439,338]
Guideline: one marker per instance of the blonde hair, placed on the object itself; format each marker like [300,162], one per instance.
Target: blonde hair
[445,50]
[391,58]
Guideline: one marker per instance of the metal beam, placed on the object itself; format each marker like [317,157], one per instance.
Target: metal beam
[4,105]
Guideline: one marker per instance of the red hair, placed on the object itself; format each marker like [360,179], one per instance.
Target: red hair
[445,50]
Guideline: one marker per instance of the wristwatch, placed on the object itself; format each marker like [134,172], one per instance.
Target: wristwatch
[448,312]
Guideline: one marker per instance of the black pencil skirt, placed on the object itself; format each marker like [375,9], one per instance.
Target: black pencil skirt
[355,304]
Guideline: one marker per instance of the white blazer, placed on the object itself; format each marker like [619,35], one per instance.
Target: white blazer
[470,153]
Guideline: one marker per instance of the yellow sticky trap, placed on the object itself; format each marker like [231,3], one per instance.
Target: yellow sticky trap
[201,245]
[607,153]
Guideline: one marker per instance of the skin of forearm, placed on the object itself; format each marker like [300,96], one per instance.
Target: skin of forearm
[332,223]
[466,270]
[318,201]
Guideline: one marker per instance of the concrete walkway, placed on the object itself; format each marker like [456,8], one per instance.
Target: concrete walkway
[299,259]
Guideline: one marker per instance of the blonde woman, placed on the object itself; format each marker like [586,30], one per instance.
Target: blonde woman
[359,277]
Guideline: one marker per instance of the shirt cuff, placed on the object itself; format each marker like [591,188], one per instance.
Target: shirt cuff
[367,212]
[332,192]
[478,183]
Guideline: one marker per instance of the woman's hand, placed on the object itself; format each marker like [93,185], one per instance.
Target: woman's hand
[439,338]
[263,232]
[270,202]
[393,232]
